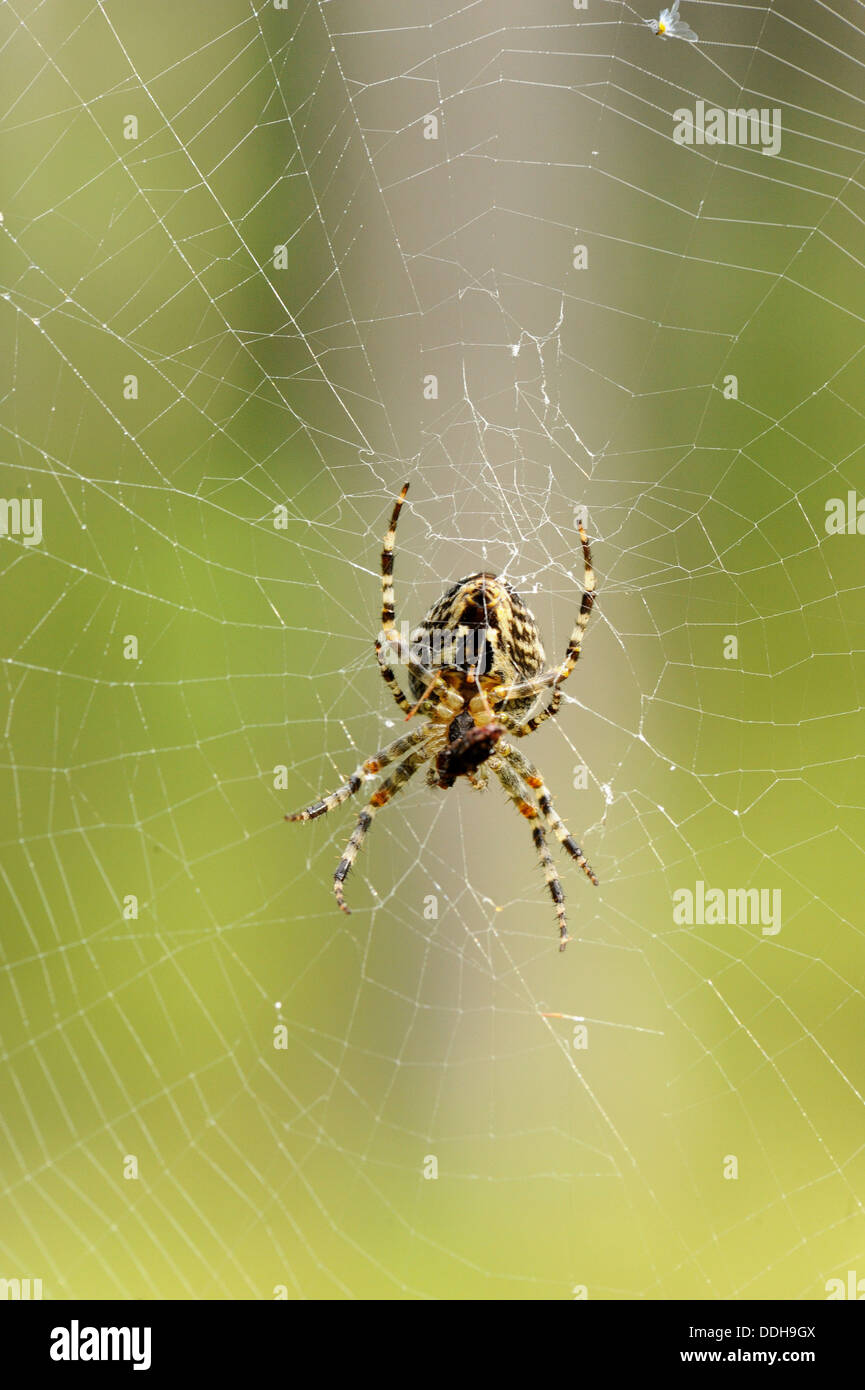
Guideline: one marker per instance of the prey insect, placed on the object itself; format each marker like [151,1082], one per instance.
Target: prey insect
[669,26]
[475,669]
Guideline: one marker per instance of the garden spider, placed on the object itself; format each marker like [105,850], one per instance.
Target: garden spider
[475,667]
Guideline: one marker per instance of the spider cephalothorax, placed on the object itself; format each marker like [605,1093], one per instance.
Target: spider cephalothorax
[475,669]
[468,747]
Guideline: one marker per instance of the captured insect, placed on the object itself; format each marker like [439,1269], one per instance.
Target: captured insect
[475,669]
[670,26]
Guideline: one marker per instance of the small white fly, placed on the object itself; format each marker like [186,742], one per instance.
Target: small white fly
[670,26]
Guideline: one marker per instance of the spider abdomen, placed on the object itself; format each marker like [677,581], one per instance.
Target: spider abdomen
[479,633]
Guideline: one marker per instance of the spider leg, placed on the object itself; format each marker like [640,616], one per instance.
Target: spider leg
[515,789]
[389,631]
[387,596]
[559,674]
[389,678]
[387,606]
[380,760]
[385,793]
[520,730]
[531,775]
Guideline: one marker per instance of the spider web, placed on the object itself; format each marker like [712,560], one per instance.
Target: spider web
[216,1085]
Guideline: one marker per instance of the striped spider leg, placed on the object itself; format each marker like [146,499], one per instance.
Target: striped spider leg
[555,678]
[530,774]
[516,790]
[437,686]
[388,789]
[385,756]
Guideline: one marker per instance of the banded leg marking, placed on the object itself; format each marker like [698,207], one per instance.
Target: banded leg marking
[520,730]
[556,891]
[387,595]
[559,674]
[515,788]
[390,680]
[389,788]
[377,763]
[531,775]
[387,606]
[390,633]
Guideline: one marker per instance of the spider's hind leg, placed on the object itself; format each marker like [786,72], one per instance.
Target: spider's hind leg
[516,789]
[377,763]
[531,775]
[385,793]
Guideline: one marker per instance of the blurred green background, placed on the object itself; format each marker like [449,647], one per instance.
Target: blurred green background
[264,380]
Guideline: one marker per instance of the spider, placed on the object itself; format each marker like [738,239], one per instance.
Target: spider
[475,668]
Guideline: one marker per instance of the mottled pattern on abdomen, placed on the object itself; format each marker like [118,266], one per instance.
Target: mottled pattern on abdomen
[480,623]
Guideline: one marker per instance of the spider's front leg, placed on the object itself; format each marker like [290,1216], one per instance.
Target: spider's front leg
[520,730]
[387,606]
[504,694]
[392,637]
